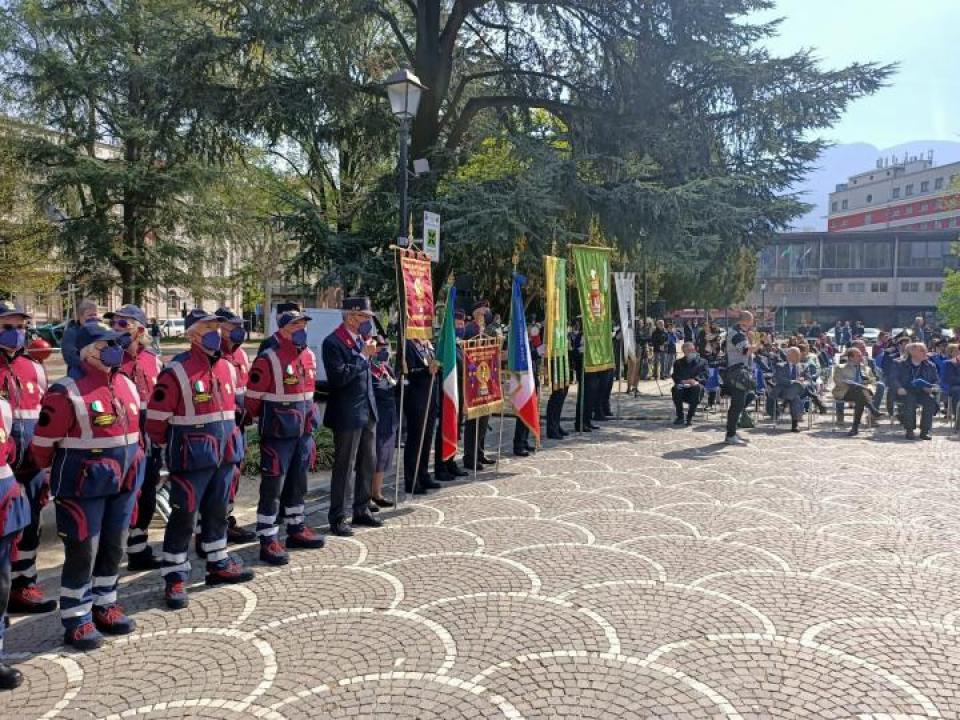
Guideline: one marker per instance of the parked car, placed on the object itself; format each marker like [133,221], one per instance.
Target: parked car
[172,328]
[870,335]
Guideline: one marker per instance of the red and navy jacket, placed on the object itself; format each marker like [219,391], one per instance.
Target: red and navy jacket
[241,368]
[88,434]
[192,413]
[14,506]
[143,369]
[23,383]
[280,390]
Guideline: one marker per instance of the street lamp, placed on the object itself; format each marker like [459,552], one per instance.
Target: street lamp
[404,90]
[763,304]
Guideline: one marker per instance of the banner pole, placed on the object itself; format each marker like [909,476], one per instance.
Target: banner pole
[476,446]
[402,356]
[496,468]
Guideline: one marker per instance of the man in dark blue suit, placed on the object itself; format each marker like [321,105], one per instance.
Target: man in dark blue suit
[916,383]
[351,414]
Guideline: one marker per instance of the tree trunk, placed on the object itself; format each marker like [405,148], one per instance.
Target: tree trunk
[433,64]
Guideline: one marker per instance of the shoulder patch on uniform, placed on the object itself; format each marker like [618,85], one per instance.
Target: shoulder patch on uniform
[159,394]
[44,418]
[255,375]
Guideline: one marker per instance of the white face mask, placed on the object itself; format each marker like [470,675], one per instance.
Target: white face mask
[534,332]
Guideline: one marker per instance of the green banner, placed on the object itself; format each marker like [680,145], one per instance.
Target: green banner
[558,346]
[592,268]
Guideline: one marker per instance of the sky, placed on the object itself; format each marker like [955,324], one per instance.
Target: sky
[923,99]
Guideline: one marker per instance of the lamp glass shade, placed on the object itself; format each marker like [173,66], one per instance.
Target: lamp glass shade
[404,90]
[763,285]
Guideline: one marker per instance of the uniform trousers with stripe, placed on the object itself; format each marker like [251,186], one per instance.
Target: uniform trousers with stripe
[92,530]
[24,568]
[283,484]
[207,492]
[146,501]
[7,543]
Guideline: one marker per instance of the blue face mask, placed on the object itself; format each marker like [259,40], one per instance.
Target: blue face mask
[112,356]
[366,328]
[238,335]
[211,340]
[124,340]
[14,338]
[383,354]
[299,338]
[460,332]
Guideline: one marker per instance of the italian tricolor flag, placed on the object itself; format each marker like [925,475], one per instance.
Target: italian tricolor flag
[447,358]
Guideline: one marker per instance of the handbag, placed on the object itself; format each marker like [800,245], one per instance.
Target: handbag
[738,377]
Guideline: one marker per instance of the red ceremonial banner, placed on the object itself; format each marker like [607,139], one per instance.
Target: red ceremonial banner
[418,296]
[482,391]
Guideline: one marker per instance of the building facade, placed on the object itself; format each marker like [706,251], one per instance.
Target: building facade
[884,278]
[906,194]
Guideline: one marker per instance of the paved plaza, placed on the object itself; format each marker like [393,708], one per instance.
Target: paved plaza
[637,572]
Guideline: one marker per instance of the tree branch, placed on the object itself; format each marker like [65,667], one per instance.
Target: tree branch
[475,105]
[397,31]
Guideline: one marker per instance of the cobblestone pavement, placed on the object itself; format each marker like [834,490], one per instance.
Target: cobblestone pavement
[637,572]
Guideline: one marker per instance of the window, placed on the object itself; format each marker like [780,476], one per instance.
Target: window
[834,287]
[173,301]
[834,206]
[796,259]
[910,287]
[925,186]
[929,254]
[938,184]
[840,256]
[803,289]
[869,199]
[844,205]
[896,193]
[879,287]
[933,287]
[908,190]
[857,287]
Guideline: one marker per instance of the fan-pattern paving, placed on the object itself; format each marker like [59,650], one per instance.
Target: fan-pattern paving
[637,572]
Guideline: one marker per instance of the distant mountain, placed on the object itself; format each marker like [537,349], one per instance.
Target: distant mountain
[841,161]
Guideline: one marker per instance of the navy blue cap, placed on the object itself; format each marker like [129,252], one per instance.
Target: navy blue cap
[93,331]
[357,304]
[130,311]
[198,315]
[227,315]
[287,307]
[8,308]
[290,316]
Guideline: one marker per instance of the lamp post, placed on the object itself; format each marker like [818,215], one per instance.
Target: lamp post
[404,90]
[763,303]
[784,305]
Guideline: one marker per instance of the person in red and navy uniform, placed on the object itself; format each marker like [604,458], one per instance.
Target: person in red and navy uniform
[232,335]
[280,399]
[192,415]
[14,517]
[23,382]
[351,414]
[142,364]
[89,435]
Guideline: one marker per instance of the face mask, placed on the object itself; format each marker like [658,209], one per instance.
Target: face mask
[488,317]
[238,335]
[383,354]
[111,356]
[124,340]
[460,332]
[366,328]
[14,338]
[299,338]
[535,332]
[211,340]
[693,356]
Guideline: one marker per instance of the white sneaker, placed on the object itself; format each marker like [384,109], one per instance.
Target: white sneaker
[735,440]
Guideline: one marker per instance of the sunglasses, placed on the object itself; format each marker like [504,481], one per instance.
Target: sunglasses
[120,323]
